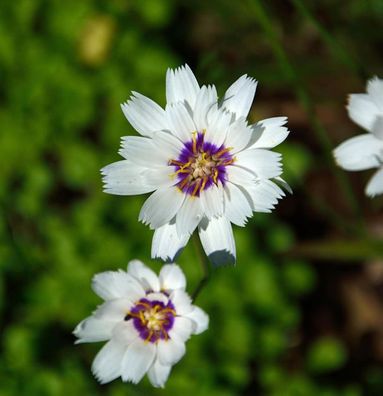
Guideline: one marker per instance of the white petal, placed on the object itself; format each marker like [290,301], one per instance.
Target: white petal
[144,115]
[170,351]
[183,327]
[167,243]
[377,128]
[158,374]
[144,275]
[239,97]
[125,333]
[142,151]
[126,178]
[93,329]
[362,110]
[180,122]
[359,153]
[217,240]
[172,277]
[375,185]
[116,284]
[161,206]
[205,103]
[181,85]
[158,297]
[212,201]
[375,90]
[107,364]
[189,215]
[239,175]
[137,360]
[264,195]
[283,183]
[200,320]
[114,310]
[181,301]
[238,135]
[237,206]
[269,133]
[264,163]
[168,145]
[218,126]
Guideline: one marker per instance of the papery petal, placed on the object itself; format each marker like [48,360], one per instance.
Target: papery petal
[172,277]
[212,201]
[237,206]
[180,122]
[170,351]
[264,195]
[93,329]
[158,374]
[167,243]
[219,123]
[362,110]
[126,178]
[359,153]
[137,360]
[200,320]
[239,97]
[264,163]
[377,127]
[217,240]
[181,301]
[144,275]
[238,135]
[183,328]
[116,284]
[375,90]
[113,310]
[125,333]
[181,85]
[375,185]
[161,206]
[206,102]
[107,364]
[142,151]
[144,115]
[189,215]
[269,133]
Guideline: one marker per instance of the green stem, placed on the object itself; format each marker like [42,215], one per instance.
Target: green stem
[204,264]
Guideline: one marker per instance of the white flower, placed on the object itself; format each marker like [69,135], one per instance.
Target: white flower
[207,167]
[145,319]
[365,151]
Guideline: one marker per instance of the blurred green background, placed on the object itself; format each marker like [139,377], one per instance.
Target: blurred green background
[301,313]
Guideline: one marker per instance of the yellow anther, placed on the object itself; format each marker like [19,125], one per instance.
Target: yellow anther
[215,176]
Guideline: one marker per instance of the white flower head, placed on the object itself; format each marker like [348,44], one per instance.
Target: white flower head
[365,151]
[146,320]
[207,167]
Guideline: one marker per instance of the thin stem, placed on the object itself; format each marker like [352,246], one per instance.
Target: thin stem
[204,264]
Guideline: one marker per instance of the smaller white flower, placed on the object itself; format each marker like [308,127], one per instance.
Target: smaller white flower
[365,151]
[146,320]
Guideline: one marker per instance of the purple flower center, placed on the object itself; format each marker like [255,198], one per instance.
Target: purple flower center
[201,164]
[152,319]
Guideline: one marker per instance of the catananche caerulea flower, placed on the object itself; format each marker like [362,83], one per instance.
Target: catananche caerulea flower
[207,166]
[146,320]
[365,151]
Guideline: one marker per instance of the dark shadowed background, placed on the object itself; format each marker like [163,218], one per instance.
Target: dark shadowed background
[302,312]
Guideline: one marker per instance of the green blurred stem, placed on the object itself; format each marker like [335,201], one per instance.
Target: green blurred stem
[204,265]
[304,98]
[336,49]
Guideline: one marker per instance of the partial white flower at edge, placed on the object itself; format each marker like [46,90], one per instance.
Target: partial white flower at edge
[207,166]
[145,319]
[365,151]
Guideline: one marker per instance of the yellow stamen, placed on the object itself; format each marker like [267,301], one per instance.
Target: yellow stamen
[223,151]
[196,187]
[215,176]
[205,179]
[194,139]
